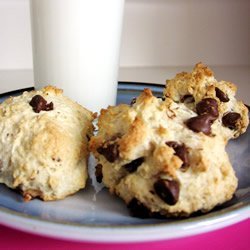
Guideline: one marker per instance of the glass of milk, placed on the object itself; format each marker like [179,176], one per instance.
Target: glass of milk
[76,46]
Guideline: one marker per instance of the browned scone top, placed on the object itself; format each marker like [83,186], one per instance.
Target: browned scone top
[158,161]
[44,144]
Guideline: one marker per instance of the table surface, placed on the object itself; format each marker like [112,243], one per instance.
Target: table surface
[232,237]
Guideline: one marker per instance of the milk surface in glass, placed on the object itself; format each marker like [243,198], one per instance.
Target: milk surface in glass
[76,47]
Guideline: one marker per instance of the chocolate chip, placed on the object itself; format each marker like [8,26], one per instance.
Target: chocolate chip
[172,144]
[133,101]
[133,165]
[187,99]
[49,106]
[137,209]
[221,95]
[98,173]
[201,123]
[207,106]
[88,137]
[230,120]
[167,190]
[163,98]
[180,151]
[38,103]
[110,151]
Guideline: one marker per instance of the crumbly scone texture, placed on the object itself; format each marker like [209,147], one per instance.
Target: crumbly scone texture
[136,150]
[200,84]
[44,154]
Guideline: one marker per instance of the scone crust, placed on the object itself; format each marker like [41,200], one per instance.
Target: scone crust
[44,154]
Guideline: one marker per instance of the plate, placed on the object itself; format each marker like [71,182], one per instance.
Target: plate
[95,215]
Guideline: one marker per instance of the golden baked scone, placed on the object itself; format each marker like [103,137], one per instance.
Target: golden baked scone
[44,144]
[200,86]
[160,160]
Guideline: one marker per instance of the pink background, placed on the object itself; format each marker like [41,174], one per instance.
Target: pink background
[233,237]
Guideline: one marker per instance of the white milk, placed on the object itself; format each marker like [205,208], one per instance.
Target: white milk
[76,47]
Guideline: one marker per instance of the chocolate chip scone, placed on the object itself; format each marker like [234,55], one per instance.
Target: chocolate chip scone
[44,144]
[161,161]
[201,92]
